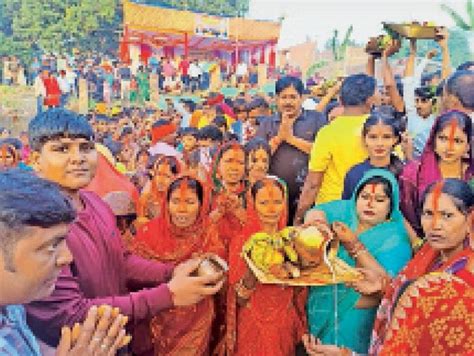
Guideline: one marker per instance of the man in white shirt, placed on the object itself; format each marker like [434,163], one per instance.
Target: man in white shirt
[71,78]
[241,71]
[40,91]
[64,86]
[419,101]
[195,73]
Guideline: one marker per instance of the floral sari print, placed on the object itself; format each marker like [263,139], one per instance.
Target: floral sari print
[434,316]
[181,330]
[426,261]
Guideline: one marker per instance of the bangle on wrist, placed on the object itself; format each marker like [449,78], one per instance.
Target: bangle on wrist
[386,282]
[354,248]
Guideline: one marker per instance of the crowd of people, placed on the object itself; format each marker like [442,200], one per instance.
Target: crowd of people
[106,218]
[55,78]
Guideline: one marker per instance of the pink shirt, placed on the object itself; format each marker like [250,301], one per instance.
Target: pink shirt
[103,272]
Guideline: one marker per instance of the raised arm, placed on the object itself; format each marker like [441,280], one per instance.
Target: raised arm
[331,93]
[388,77]
[442,36]
[410,66]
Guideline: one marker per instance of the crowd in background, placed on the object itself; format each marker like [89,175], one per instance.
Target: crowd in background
[385,164]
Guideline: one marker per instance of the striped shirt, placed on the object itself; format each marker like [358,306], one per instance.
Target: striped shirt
[16,338]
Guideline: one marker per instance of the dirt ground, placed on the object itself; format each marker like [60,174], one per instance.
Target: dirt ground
[17,107]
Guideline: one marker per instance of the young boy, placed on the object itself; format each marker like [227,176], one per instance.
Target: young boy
[34,219]
[103,272]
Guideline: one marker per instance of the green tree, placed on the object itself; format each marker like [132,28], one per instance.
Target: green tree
[459,20]
[27,26]
[213,7]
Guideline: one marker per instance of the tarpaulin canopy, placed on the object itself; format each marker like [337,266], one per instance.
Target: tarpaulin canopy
[164,27]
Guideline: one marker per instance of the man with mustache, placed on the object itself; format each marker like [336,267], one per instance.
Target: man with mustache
[291,132]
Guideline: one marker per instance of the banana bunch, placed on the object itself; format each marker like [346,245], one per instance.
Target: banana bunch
[273,253]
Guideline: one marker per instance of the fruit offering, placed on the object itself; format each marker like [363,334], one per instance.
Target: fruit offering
[288,252]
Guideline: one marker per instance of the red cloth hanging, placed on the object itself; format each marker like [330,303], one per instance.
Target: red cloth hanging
[272,59]
[145,53]
[262,55]
[124,53]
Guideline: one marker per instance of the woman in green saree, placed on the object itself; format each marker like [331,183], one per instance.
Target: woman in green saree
[143,86]
[372,235]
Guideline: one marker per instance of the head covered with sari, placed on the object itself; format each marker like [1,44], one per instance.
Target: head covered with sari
[431,258]
[9,157]
[163,170]
[253,225]
[428,170]
[253,220]
[387,242]
[169,242]
[273,320]
[216,177]
[178,330]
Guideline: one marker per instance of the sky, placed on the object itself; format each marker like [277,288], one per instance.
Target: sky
[317,19]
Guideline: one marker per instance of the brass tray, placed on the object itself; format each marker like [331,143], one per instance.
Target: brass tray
[412,30]
[317,276]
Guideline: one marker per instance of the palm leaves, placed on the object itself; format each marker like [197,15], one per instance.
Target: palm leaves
[339,48]
[466,25]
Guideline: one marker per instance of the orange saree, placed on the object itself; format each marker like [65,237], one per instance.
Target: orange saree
[180,330]
[274,319]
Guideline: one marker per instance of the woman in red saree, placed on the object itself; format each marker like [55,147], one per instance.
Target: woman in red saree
[412,314]
[262,319]
[446,219]
[182,231]
[152,199]
[230,190]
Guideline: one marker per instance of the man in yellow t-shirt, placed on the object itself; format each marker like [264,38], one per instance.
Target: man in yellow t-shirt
[338,146]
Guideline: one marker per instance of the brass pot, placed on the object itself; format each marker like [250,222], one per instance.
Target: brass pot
[312,246]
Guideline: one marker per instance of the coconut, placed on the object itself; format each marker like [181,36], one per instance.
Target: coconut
[310,244]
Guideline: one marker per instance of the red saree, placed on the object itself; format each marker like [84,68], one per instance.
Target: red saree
[274,319]
[151,203]
[425,261]
[181,330]
[435,316]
